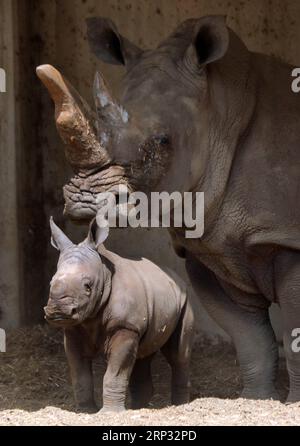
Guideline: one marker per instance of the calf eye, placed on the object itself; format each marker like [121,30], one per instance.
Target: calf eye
[87,288]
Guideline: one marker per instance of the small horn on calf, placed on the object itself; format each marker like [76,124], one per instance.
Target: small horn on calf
[75,121]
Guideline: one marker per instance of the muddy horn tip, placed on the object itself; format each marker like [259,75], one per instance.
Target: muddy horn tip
[44,70]
[54,82]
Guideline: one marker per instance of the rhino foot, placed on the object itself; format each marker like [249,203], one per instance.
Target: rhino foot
[293,398]
[181,398]
[260,394]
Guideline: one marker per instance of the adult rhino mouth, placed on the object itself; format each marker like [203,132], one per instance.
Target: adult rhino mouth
[82,193]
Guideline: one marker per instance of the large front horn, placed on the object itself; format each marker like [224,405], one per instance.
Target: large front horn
[75,121]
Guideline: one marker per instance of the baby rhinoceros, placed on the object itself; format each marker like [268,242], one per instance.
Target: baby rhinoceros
[127,310]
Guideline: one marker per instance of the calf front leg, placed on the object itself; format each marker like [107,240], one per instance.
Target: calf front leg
[121,356]
[81,372]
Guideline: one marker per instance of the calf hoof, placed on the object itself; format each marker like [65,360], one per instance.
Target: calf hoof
[179,400]
[137,404]
[87,408]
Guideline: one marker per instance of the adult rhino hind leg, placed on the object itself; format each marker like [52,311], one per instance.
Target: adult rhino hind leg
[251,332]
[141,386]
[178,351]
[287,286]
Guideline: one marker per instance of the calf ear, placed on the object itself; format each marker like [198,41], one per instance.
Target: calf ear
[210,40]
[58,239]
[107,44]
[98,232]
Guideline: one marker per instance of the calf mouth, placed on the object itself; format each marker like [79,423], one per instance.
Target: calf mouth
[60,319]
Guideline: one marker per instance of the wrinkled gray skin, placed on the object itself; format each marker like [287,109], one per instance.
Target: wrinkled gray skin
[206,114]
[125,309]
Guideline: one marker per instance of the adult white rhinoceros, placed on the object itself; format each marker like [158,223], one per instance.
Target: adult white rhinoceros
[202,113]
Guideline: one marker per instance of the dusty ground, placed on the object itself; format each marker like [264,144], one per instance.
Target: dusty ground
[35,389]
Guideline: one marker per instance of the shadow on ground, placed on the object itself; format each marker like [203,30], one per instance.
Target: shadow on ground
[34,373]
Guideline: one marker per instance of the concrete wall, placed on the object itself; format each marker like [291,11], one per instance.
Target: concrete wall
[22,216]
[54,32]
[9,247]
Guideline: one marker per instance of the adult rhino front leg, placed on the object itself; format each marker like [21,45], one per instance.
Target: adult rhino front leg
[251,332]
[287,286]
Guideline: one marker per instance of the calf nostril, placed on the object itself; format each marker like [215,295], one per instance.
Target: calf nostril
[73,312]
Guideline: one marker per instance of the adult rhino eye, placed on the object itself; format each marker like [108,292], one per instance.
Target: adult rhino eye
[162,139]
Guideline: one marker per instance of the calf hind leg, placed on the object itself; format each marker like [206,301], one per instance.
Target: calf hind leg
[177,351]
[141,387]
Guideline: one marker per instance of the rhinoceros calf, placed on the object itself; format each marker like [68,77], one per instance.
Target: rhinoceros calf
[126,309]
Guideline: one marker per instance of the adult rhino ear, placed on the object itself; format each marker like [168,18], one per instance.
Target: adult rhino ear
[107,44]
[210,40]
[98,233]
[58,239]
